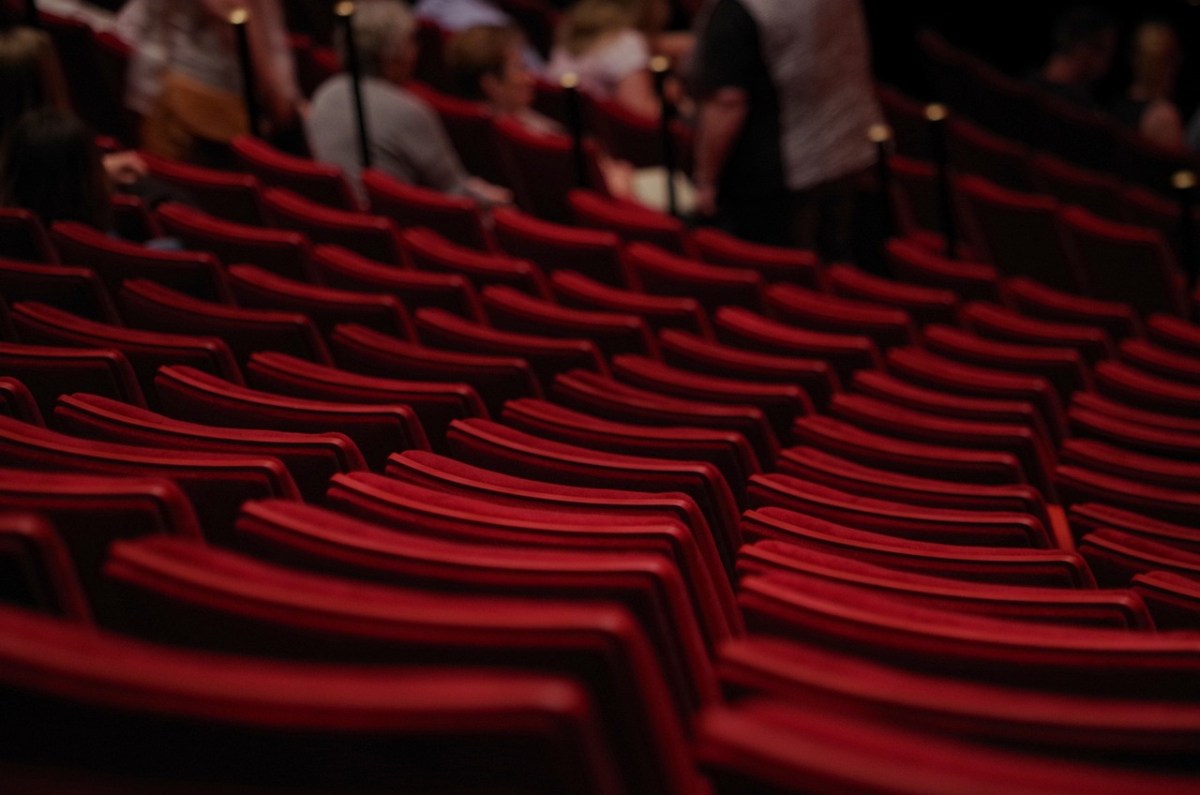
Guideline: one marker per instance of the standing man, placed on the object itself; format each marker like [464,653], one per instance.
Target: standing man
[786,98]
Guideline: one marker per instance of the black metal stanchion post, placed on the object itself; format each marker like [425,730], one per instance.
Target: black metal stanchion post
[345,12]
[239,18]
[1184,183]
[660,67]
[570,86]
[936,114]
[32,18]
[881,136]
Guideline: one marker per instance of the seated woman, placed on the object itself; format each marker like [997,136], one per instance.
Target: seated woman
[608,45]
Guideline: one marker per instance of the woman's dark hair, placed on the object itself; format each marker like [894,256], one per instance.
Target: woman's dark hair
[29,74]
[50,165]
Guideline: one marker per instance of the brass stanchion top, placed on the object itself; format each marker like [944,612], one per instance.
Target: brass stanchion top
[239,16]
[879,133]
[1183,180]
[936,111]
[569,80]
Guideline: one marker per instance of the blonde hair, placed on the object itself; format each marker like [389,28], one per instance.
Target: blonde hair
[588,21]
[381,32]
[479,51]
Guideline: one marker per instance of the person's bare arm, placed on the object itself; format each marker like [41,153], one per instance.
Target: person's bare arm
[718,123]
[1162,124]
[636,92]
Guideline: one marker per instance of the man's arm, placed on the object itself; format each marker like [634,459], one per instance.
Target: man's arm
[719,121]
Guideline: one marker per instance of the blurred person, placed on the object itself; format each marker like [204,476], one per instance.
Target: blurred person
[1148,106]
[608,45]
[459,15]
[185,77]
[486,65]
[1085,44]
[407,139]
[785,99]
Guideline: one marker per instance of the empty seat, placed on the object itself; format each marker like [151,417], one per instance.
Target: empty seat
[541,169]
[1138,388]
[145,351]
[372,236]
[975,150]
[1095,191]
[487,444]
[1181,445]
[96,706]
[197,274]
[1173,599]
[326,307]
[677,515]
[495,378]
[919,523]
[1080,484]
[632,222]
[215,483]
[1123,411]
[1006,325]
[1174,333]
[1160,361]
[781,403]
[662,272]
[1113,608]
[658,311]
[453,217]
[318,182]
[883,386]
[937,372]
[311,458]
[594,253]
[377,429]
[428,250]
[778,530]
[1119,262]
[76,290]
[845,353]
[38,573]
[923,304]
[913,263]
[1062,367]
[606,397]
[728,451]
[279,251]
[773,263]
[1155,470]
[614,333]
[600,645]
[916,458]
[147,305]
[803,364]
[346,270]
[1036,299]
[761,746]
[547,355]
[817,466]
[1018,233]
[1086,660]
[469,127]
[1033,450]
[48,372]
[1116,557]
[648,584]
[1086,517]
[1096,728]
[436,403]
[230,195]
[796,306]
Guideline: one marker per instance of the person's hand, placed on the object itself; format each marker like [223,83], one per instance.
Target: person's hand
[124,168]
[487,193]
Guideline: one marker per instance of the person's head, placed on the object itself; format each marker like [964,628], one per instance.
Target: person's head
[29,74]
[385,37]
[1155,57]
[50,165]
[1086,35]
[588,21]
[487,63]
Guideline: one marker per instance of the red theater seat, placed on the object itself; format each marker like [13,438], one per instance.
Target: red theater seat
[276,250]
[658,311]
[75,290]
[372,236]
[594,253]
[318,182]
[614,333]
[38,572]
[429,251]
[453,217]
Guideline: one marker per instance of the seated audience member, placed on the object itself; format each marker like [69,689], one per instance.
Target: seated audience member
[459,15]
[1149,106]
[50,165]
[486,65]
[407,138]
[96,17]
[30,79]
[1085,43]
[608,45]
